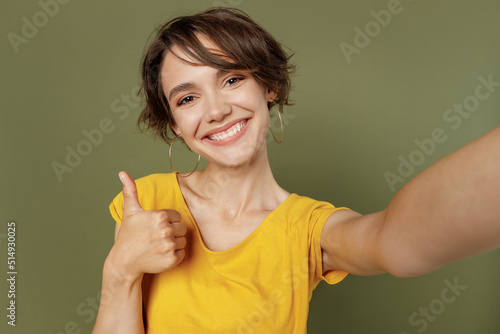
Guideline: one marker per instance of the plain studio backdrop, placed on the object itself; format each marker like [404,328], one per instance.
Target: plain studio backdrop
[383,89]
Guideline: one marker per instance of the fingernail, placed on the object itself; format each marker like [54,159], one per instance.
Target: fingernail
[120,176]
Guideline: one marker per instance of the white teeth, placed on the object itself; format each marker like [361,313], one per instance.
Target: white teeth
[228,133]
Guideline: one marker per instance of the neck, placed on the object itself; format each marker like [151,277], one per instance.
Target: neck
[238,189]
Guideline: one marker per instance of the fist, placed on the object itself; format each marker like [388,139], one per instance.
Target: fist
[149,241]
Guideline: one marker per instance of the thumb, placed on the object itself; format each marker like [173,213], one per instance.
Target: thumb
[131,203]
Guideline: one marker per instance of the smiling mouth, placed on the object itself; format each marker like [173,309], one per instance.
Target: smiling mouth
[229,132]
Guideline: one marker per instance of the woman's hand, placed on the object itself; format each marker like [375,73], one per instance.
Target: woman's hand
[149,241]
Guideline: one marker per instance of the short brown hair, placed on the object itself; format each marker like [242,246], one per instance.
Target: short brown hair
[248,45]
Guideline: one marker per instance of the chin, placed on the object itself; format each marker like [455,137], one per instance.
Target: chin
[243,157]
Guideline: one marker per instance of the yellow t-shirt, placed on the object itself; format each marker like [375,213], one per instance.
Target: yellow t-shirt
[262,285]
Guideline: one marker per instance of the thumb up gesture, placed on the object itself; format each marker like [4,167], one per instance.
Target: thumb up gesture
[148,241]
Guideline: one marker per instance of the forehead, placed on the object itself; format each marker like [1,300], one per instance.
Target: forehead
[206,42]
[178,64]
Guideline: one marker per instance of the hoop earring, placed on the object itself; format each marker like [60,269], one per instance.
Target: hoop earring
[281,125]
[170,159]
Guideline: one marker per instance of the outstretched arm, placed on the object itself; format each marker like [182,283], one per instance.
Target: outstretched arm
[448,212]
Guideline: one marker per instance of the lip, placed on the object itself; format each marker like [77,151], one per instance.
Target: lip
[223,128]
[228,140]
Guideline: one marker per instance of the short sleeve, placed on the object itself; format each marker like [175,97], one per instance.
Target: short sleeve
[143,185]
[116,208]
[318,220]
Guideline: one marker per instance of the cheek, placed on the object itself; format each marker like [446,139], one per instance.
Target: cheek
[252,98]
[186,122]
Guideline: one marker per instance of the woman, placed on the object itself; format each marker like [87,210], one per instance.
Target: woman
[226,249]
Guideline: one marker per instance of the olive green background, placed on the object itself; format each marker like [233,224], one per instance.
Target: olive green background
[349,125]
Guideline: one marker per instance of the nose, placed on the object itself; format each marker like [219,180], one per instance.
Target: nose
[216,107]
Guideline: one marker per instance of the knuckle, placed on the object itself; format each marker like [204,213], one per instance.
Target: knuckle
[167,246]
[167,232]
[162,215]
[163,235]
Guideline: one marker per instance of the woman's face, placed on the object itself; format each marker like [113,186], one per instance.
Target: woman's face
[222,116]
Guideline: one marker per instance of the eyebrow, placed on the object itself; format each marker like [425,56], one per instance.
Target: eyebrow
[189,85]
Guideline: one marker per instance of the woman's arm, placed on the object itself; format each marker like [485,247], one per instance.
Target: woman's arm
[448,212]
[120,309]
[148,241]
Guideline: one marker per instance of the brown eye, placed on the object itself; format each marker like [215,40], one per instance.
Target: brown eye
[233,81]
[185,100]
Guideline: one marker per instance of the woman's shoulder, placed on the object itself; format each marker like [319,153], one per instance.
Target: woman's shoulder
[157,185]
[301,203]
[299,208]
[151,187]
[157,178]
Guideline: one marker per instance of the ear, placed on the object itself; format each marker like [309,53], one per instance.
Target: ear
[270,95]
[175,128]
